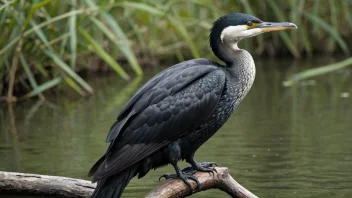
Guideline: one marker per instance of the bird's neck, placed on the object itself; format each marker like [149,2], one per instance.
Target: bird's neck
[226,49]
[242,68]
[240,63]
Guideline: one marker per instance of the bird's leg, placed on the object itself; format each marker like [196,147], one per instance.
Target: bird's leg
[183,176]
[174,154]
[202,167]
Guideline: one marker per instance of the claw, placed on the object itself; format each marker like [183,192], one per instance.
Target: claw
[166,176]
[189,170]
[209,170]
[183,177]
[195,180]
[187,183]
[202,167]
[207,164]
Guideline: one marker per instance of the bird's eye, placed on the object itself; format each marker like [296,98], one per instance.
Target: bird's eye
[249,23]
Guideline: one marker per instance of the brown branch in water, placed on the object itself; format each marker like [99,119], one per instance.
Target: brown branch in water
[33,184]
[221,180]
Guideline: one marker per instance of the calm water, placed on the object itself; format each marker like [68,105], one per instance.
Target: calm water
[280,142]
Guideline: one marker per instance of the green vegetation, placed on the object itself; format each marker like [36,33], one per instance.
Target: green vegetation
[317,71]
[44,43]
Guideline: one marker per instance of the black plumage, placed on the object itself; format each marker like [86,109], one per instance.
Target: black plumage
[175,112]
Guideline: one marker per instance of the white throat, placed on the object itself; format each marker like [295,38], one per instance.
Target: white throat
[231,35]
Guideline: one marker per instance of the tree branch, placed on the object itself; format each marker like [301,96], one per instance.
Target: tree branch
[33,184]
[221,180]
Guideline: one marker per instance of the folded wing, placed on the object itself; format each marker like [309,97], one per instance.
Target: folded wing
[168,107]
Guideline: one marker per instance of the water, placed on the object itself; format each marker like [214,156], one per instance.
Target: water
[280,142]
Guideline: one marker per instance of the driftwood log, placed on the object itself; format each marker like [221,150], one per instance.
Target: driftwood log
[33,184]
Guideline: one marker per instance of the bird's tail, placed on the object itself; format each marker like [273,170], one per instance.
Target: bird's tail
[112,187]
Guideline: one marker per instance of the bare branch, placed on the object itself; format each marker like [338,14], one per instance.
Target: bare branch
[220,179]
[33,184]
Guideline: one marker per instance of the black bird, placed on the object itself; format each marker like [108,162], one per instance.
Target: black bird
[179,109]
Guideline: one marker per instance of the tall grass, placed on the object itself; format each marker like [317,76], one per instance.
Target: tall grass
[45,43]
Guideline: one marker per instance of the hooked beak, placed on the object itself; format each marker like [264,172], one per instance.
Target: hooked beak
[270,26]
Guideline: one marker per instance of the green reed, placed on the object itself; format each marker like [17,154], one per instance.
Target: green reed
[44,43]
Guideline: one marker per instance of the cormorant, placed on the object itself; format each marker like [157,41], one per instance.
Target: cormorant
[180,108]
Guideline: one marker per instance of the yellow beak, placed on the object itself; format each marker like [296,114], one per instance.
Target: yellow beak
[269,26]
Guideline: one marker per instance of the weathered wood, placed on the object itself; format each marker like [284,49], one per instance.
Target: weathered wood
[33,184]
[221,179]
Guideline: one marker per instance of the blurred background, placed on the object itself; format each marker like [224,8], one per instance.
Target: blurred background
[68,67]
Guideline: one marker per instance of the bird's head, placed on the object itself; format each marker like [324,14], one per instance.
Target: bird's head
[230,29]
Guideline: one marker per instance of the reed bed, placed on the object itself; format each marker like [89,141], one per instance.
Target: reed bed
[47,43]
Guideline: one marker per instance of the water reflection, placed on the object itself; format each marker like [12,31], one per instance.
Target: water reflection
[281,141]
